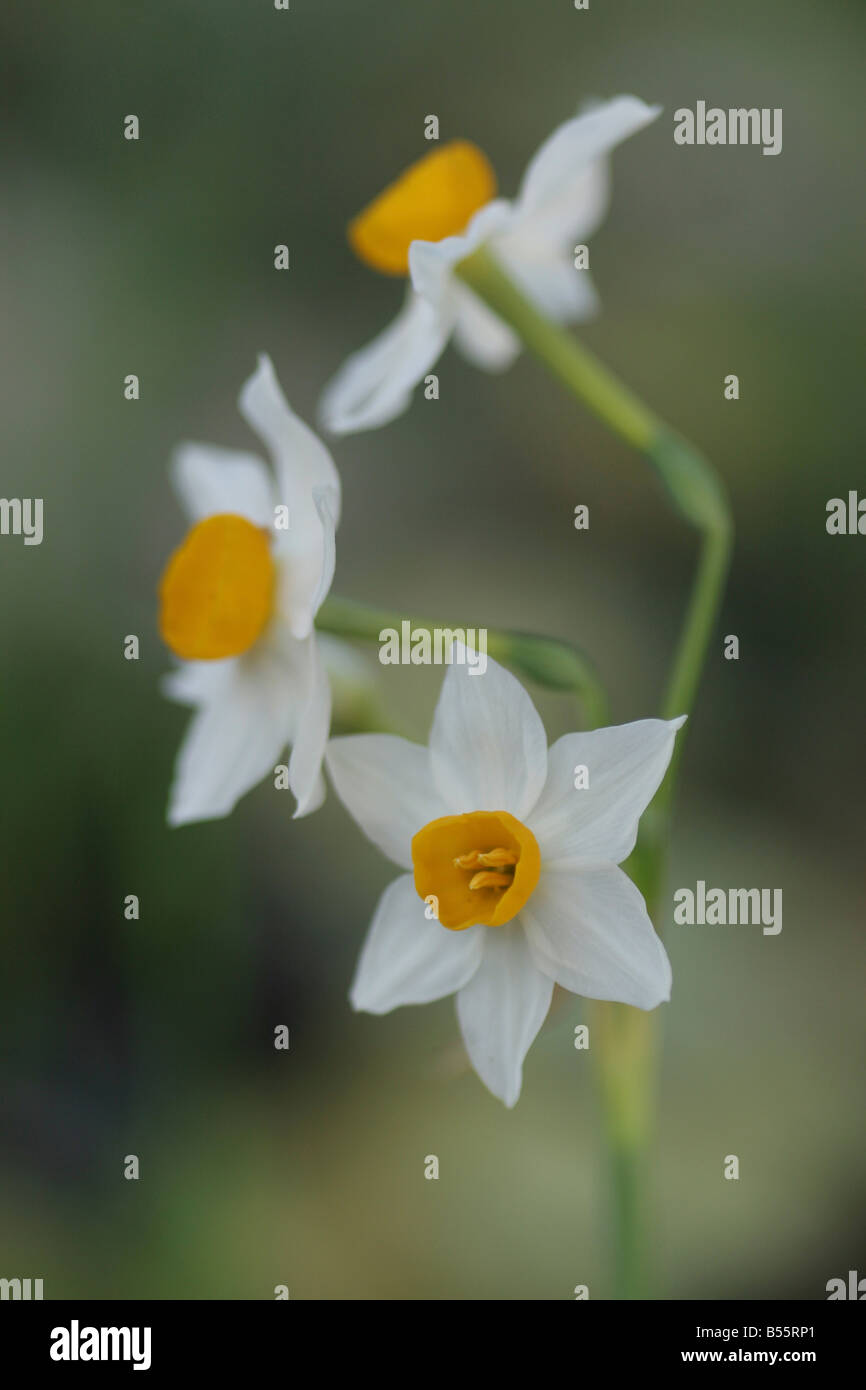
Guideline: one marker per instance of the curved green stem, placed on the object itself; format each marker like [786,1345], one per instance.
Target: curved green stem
[552,663]
[625,1043]
[689,480]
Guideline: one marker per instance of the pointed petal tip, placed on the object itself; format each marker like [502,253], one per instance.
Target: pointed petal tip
[328,423]
[652,109]
[313,800]
[508,1097]
[177,816]
[662,999]
[264,367]
[262,389]
[362,1004]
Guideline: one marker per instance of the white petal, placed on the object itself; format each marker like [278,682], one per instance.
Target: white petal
[249,709]
[553,285]
[589,931]
[327,504]
[375,384]
[308,484]
[625,765]
[488,745]
[306,558]
[211,481]
[568,212]
[556,185]
[303,462]
[387,785]
[431,263]
[311,701]
[409,960]
[502,1008]
[232,743]
[196,682]
[315,798]
[481,335]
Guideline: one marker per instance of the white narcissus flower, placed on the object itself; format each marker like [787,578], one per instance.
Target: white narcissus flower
[443,208]
[237,603]
[519,865]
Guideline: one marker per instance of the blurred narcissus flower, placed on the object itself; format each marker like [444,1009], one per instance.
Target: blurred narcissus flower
[514,883]
[443,208]
[237,603]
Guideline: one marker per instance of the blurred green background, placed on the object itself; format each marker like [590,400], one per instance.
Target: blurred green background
[155,1037]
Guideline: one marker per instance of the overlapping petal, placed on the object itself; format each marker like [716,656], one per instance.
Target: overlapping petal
[552,284]
[375,384]
[560,184]
[387,785]
[248,709]
[589,930]
[431,263]
[210,481]
[625,765]
[487,744]
[233,741]
[483,338]
[307,483]
[309,694]
[409,960]
[501,1009]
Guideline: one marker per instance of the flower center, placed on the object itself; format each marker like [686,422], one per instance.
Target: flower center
[481,867]
[216,592]
[434,198]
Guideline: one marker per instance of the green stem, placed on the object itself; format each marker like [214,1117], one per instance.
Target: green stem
[689,480]
[555,664]
[625,1043]
[627,1040]
[697,629]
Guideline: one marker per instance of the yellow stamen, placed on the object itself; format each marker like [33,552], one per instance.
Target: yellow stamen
[486,879]
[434,198]
[493,859]
[216,592]
[446,852]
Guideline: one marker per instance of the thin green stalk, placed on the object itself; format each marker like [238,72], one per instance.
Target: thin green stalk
[555,664]
[689,480]
[627,1040]
[699,622]
[625,1045]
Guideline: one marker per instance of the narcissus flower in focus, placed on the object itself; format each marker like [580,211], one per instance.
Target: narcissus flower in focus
[237,602]
[443,208]
[513,882]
